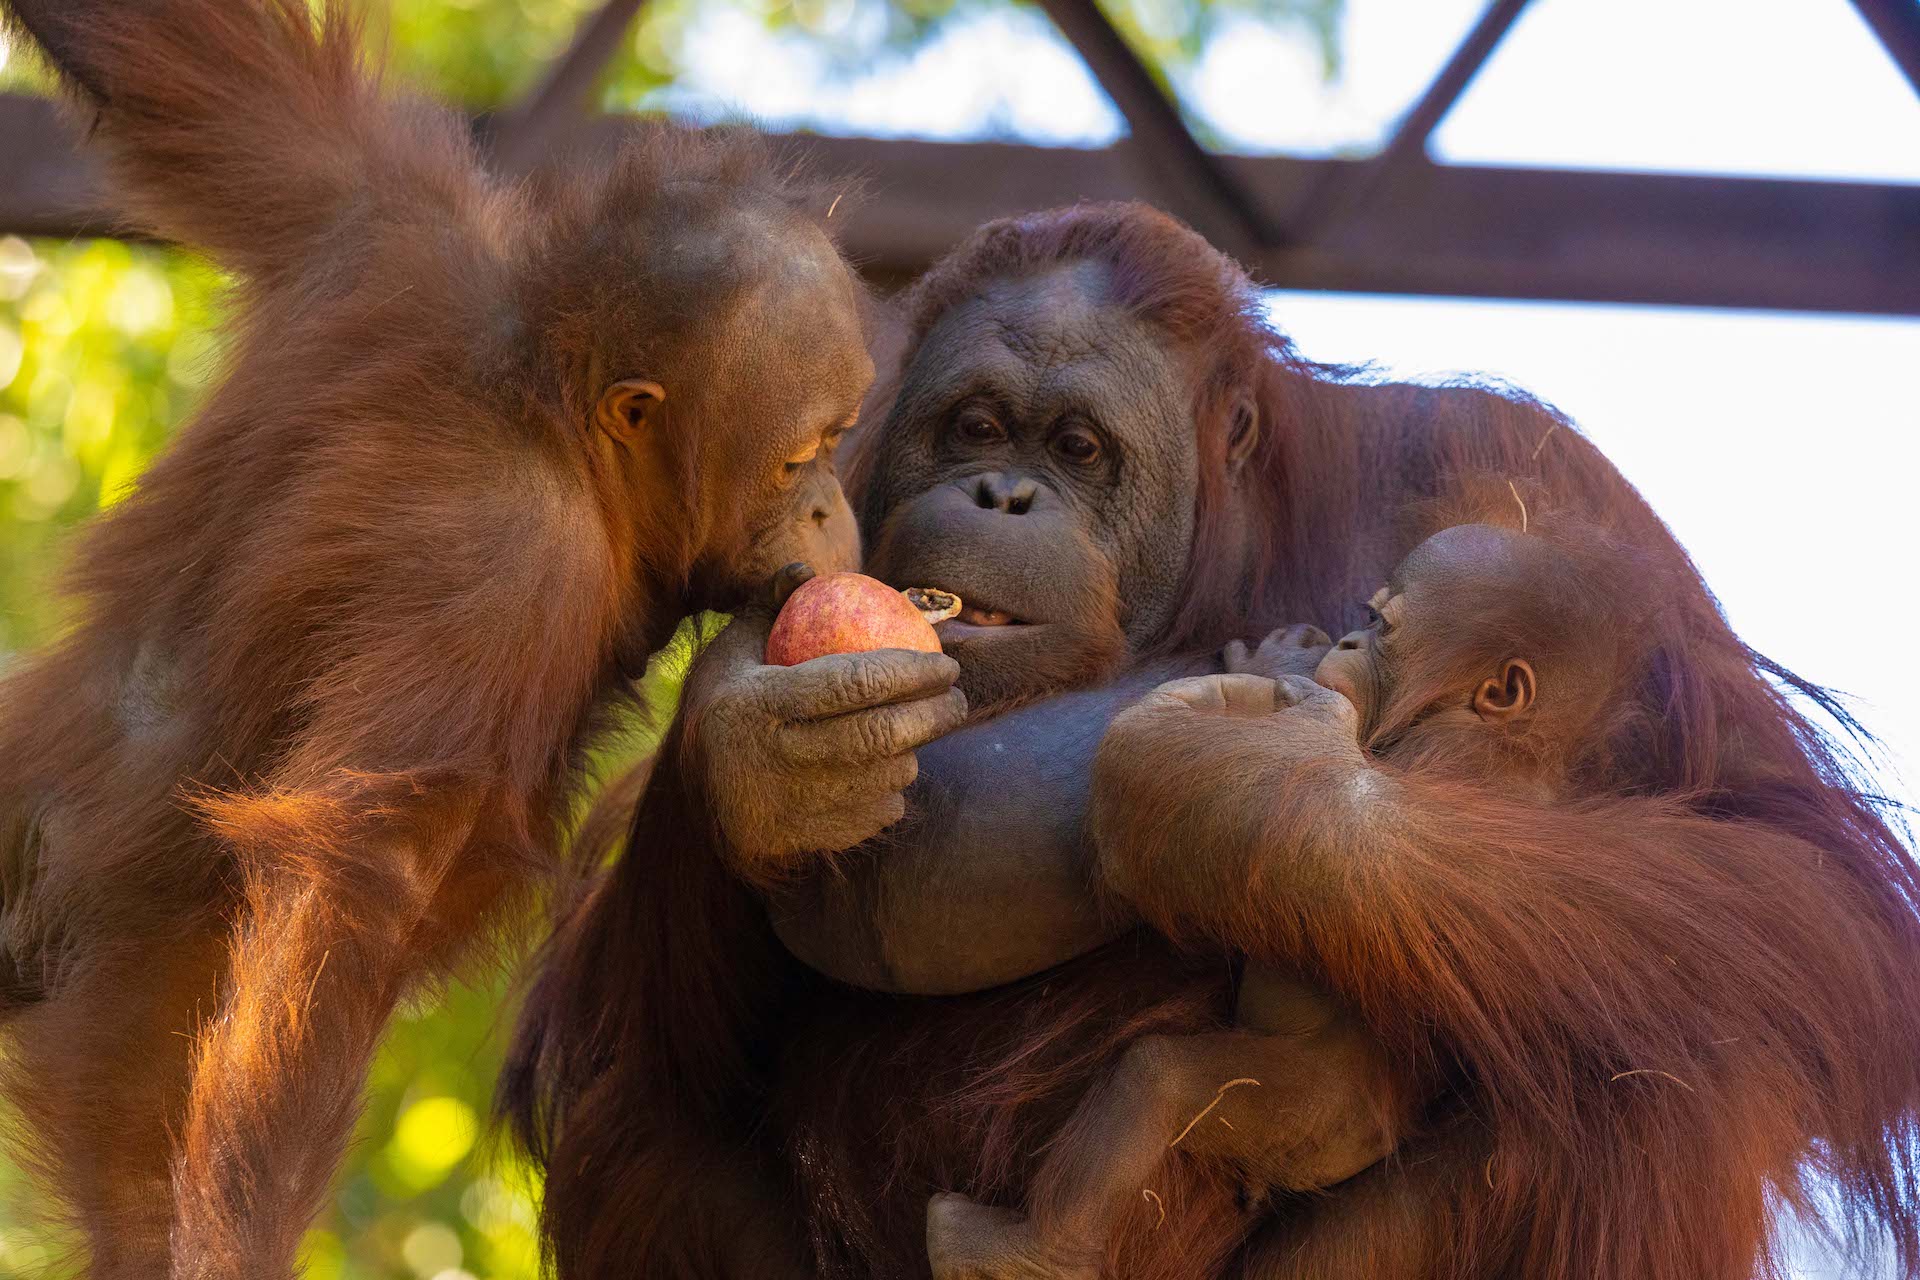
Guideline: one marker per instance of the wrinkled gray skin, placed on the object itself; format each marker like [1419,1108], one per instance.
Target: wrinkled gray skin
[1038,362]
[991,880]
[994,881]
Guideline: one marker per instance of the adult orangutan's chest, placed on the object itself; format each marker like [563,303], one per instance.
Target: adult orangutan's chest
[880,1101]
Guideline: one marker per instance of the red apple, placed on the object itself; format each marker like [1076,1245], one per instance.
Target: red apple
[852,613]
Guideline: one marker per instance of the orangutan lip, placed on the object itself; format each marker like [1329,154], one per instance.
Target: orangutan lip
[976,616]
[975,613]
[959,631]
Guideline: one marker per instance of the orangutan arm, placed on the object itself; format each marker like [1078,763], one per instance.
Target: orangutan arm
[990,878]
[633,1078]
[1549,947]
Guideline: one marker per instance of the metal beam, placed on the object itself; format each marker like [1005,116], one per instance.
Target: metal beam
[1421,119]
[1896,24]
[522,135]
[47,187]
[1456,230]
[1407,148]
[1187,179]
[1625,237]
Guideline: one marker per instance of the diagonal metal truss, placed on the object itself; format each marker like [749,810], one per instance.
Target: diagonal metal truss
[1896,25]
[1396,222]
[1406,149]
[1184,177]
[556,106]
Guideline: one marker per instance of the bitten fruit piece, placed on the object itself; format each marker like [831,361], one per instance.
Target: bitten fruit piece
[934,605]
[852,613]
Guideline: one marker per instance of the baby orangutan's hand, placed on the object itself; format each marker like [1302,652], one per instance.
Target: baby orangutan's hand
[1289,651]
[1295,697]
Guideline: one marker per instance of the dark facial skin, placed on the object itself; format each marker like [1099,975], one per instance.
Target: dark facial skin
[1039,463]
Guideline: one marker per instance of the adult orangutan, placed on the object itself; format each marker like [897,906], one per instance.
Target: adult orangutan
[1489,773]
[1098,443]
[311,739]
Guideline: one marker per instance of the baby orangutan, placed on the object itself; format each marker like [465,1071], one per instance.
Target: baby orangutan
[1494,722]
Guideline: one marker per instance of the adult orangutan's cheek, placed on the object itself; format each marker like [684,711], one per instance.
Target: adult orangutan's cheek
[1152,551]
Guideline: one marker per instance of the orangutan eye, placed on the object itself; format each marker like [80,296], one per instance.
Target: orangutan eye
[977,427]
[795,461]
[1377,621]
[1076,446]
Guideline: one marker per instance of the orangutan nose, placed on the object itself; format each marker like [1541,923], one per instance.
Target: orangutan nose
[1353,640]
[1013,495]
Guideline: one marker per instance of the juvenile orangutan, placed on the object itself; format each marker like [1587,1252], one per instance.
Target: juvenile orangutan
[317,728]
[1502,697]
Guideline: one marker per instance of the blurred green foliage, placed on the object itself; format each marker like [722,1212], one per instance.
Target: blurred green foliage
[104,349]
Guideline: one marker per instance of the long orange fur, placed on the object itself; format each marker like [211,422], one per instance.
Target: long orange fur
[312,735]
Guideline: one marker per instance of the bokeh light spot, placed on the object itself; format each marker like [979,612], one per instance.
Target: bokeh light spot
[432,1249]
[18,266]
[90,412]
[50,483]
[11,351]
[15,446]
[322,1257]
[432,1136]
[141,302]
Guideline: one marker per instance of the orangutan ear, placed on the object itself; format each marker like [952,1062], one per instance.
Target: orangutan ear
[624,407]
[1243,432]
[1507,695]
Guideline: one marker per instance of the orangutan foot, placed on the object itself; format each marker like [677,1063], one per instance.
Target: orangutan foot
[968,1241]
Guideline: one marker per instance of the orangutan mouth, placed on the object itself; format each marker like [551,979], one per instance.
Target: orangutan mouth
[937,606]
[978,616]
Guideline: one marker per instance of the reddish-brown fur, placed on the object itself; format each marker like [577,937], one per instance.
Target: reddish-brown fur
[1613,940]
[312,735]
[852,1108]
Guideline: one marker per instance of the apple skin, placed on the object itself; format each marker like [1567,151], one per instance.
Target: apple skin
[846,613]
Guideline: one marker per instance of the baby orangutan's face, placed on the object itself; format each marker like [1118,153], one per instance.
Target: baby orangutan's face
[1420,608]
[1357,666]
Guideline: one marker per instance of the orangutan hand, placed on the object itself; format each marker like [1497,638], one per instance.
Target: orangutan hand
[1288,651]
[814,757]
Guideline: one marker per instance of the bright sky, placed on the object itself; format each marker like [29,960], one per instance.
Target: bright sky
[1780,448]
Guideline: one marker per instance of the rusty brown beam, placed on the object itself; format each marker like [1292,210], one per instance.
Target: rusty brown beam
[1458,230]
[47,188]
[1417,125]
